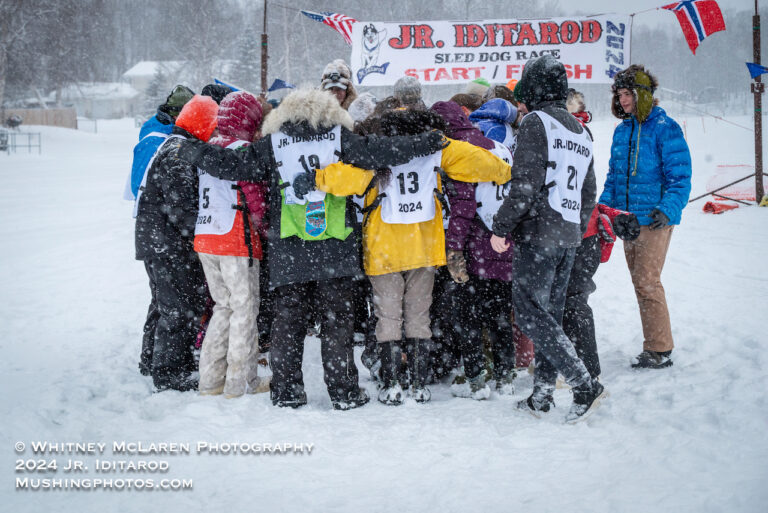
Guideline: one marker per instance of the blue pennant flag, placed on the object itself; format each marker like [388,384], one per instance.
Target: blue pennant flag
[756,69]
[280,84]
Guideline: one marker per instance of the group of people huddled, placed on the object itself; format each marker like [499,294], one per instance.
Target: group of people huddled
[456,242]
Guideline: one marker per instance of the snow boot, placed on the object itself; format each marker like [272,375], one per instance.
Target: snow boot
[292,396]
[354,399]
[473,388]
[652,360]
[586,398]
[213,391]
[418,364]
[505,382]
[259,385]
[390,356]
[540,401]
[182,382]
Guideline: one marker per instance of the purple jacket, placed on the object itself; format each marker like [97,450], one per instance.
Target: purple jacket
[466,230]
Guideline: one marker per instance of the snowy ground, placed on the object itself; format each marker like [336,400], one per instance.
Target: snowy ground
[691,438]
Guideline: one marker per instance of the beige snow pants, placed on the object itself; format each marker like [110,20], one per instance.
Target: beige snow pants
[403,298]
[230,353]
[645,259]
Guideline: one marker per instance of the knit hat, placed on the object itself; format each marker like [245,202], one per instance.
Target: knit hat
[336,74]
[177,99]
[216,91]
[240,115]
[478,86]
[198,117]
[544,79]
[640,81]
[408,91]
[362,107]
[511,84]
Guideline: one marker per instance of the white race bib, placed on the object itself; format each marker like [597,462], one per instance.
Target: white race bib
[217,200]
[571,154]
[490,196]
[410,193]
[296,155]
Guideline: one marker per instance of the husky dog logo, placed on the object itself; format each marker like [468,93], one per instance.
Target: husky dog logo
[372,41]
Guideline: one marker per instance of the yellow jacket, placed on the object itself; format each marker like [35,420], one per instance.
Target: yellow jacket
[390,248]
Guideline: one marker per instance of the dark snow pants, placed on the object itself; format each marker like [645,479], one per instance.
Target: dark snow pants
[293,313]
[578,321]
[445,322]
[178,284]
[538,291]
[486,304]
[266,303]
[150,325]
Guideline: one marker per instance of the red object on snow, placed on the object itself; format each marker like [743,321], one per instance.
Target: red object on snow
[712,207]
[524,351]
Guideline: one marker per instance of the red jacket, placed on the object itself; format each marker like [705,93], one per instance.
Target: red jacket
[240,117]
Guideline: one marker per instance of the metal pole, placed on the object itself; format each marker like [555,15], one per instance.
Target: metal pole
[264,55]
[757,88]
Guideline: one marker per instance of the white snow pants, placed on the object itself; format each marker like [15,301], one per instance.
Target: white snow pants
[230,353]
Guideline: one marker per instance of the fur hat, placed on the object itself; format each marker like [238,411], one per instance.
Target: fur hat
[316,107]
[199,117]
[411,122]
[642,84]
[336,74]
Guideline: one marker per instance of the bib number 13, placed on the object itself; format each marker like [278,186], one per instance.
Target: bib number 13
[413,186]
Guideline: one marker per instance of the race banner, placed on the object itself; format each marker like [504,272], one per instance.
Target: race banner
[443,52]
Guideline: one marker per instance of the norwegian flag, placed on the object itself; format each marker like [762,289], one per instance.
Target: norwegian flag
[341,23]
[698,19]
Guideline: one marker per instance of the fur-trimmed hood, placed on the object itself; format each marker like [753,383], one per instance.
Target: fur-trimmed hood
[313,108]
[642,84]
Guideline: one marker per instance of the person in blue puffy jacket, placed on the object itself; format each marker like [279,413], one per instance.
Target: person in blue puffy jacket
[650,176]
[495,118]
[152,134]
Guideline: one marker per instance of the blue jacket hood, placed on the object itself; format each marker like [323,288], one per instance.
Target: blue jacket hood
[497,109]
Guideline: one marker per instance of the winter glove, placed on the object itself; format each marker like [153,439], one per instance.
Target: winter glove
[430,142]
[626,226]
[457,266]
[605,229]
[303,183]
[660,219]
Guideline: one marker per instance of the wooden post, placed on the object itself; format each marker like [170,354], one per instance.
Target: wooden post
[264,54]
[757,88]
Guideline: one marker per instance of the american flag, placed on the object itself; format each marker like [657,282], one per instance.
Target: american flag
[698,19]
[341,23]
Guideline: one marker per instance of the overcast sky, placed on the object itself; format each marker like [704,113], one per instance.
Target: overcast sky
[635,6]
